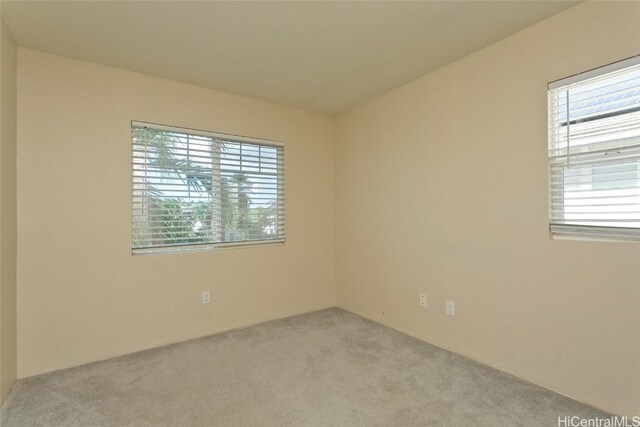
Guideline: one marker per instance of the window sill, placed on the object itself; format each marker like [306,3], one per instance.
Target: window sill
[594,234]
[206,247]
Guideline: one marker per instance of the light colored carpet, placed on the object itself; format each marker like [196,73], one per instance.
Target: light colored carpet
[327,368]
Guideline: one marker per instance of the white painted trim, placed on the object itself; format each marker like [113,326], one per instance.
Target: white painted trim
[595,72]
[215,135]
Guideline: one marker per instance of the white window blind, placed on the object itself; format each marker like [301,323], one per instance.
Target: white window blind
[594,153]
[195,189]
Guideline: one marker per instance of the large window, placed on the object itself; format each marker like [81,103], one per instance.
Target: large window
[594,153]
[194,189]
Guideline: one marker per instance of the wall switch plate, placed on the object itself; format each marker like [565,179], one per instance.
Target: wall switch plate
[206,297]
[451,308]
[423,301]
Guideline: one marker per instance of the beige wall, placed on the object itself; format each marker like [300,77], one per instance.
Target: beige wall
[82,295]
[442,189]
[7,212]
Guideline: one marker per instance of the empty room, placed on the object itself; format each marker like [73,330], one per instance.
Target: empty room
[320,213]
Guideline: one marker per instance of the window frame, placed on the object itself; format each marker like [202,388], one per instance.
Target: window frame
[280,238]
[581,231]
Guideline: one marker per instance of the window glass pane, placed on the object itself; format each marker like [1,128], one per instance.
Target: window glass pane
[190,189]
[594,152]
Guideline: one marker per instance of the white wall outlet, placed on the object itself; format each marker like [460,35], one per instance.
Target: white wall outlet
[423,301]
[206,297]
[451,308]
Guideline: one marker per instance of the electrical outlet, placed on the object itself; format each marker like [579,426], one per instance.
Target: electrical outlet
[423,301]
[451,308]
[206,297]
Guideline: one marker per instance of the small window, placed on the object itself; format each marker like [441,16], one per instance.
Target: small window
[195,189]
[594,153]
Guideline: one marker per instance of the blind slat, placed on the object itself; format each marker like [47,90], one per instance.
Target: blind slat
[195,188]
[594,153]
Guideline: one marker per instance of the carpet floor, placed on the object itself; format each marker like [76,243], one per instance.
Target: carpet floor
[327,368]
